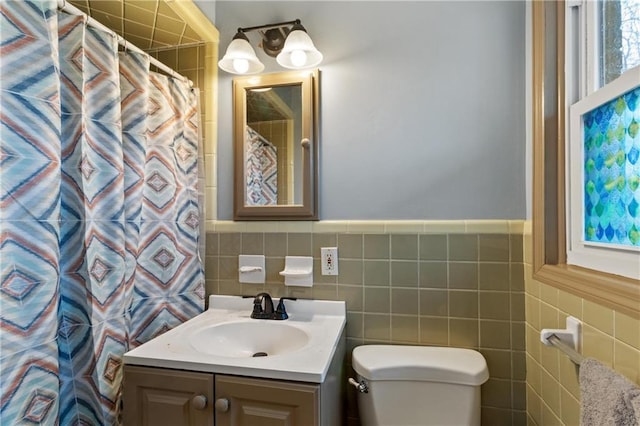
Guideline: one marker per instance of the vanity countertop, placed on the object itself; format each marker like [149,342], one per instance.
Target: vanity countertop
[184,347]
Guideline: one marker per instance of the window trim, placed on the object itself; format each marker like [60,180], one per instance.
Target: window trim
[549,212]
[590,47]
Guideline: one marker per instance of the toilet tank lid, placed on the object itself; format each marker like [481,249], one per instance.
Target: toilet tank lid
[424,363]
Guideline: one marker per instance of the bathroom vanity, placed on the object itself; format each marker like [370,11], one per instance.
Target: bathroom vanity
[175,397]
[204,371]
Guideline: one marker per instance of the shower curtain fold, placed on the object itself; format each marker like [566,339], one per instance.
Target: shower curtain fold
[100,215]
[261,164]
[29,225]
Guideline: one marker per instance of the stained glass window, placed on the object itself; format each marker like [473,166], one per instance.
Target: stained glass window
[612,171]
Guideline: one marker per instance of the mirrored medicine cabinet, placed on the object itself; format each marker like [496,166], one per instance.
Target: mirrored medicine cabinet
[276,146]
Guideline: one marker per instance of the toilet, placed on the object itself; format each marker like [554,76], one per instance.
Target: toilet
[418,385]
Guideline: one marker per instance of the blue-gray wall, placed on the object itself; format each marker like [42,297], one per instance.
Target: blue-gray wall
[423,106]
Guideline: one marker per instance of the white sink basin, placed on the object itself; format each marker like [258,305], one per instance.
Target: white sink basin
[224,338]
[252,338]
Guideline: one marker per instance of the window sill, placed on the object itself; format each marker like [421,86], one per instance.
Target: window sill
[613,291]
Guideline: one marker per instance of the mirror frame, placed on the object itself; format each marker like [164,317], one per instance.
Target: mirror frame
[310,84]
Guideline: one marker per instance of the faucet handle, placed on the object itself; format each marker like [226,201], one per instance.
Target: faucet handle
[258,311]
[281,311]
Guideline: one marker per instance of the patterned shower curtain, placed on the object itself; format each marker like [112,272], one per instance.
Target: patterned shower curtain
[99,214]
[261,159]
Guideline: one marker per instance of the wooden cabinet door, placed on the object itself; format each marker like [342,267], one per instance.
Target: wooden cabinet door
[244,401]
[158,397]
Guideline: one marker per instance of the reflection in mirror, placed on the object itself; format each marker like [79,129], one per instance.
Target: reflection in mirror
[273,160]
[276,146]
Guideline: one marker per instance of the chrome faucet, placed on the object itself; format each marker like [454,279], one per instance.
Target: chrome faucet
[267,312]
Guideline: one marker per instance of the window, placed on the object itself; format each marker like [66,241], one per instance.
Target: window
[603,170]
[617,38]
[603,41]
[603,176]
[559,80]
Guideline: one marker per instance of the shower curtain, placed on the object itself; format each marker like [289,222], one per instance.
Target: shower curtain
[261,169]
[100,213]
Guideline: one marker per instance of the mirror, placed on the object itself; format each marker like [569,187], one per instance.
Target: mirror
[276,146]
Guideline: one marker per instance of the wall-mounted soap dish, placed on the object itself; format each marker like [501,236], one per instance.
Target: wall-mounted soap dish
[251,269]
[298,271]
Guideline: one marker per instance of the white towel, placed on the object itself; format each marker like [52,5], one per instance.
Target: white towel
[608,399]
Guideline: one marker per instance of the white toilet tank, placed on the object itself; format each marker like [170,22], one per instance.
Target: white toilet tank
[419,385]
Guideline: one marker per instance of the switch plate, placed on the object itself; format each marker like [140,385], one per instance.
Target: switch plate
[329,260]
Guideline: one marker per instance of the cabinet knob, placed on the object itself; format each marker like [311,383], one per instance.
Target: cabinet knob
[199,402]
[222,405]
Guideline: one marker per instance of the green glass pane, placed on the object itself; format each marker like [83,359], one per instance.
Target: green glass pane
[612,171]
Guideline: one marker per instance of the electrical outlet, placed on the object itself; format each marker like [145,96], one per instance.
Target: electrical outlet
[329,260]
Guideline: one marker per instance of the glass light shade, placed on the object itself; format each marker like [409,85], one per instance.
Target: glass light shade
[240,58]
[298,51]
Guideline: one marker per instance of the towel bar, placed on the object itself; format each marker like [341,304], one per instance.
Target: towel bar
[573,355]
[565,339]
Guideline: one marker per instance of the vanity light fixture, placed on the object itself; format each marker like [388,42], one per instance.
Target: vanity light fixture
[288,42]
[240,57]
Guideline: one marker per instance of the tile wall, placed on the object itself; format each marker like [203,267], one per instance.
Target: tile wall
[453,285]
[553,393]
[148,24]
[189,62]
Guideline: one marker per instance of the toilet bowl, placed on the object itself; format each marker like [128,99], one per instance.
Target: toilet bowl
[418,385]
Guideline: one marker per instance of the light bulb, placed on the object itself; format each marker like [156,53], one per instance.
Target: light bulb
[298,58]
[241,65]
